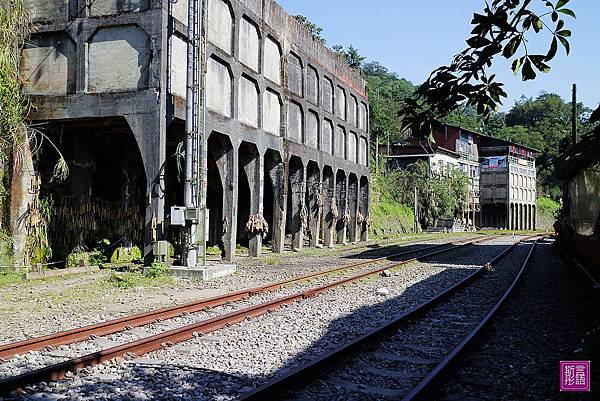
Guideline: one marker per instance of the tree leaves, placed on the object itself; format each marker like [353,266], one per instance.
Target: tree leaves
[502,28]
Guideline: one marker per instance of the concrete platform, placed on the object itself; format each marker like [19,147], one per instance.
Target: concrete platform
[206,273]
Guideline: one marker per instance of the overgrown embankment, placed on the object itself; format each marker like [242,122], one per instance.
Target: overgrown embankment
[388,214]
[547,210]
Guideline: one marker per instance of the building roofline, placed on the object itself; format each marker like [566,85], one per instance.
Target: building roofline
[494,138]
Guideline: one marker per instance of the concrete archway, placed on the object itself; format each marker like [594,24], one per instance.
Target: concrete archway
[341,192]
[105,195]
[353,207]
[328,190]
[297,212]
[313,201]
[274,199]
[221,166]
[363,208]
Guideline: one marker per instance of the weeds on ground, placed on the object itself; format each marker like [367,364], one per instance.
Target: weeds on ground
[155,275]
[9,277]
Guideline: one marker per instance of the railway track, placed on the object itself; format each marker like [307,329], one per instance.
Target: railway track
[407,356]
[171,336]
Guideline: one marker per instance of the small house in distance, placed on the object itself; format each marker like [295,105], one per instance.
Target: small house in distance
[502,174]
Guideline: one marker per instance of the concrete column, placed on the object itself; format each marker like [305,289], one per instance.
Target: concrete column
[364,209]
[534,217]
[353,209]
[296,186]
[341,188]
[228,168]
[314,209]
[150,134]
[253,165]
[328,187]
[276,171]
[509,217]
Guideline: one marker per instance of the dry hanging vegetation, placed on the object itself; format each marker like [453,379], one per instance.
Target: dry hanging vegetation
[23,218]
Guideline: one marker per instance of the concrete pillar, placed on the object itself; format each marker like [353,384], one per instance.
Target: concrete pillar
[150,132]
[276,171]
[353,208]
[509,217]
[228,169]
[313,186]
[364,208]
[253,166]
[534,217]
[341,189]
[328,191]
[296,187]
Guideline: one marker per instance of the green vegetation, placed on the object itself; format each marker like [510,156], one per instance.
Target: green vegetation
[157,269]
[314,30]
[126,255]
[547,211]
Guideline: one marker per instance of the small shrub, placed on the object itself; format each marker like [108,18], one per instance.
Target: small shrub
[157,269]
[78,257]
[124,255]
[271,261]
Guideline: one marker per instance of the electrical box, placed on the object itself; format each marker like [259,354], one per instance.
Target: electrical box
[160,248]
[192,214]
[177,216]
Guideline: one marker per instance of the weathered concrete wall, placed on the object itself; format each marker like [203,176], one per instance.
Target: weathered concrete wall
[272,61]
[312,85]
[249,44]
[109,7]
[49,64]
[248,104]
[218,87]
[339,147]
[327,137]
[220,25]
[312,130]
[295,119]
[351,154]
[362,117]
[327,88]
[179,10]
[49,9]
[352,111]
[178,67]
[340,102]
[295,78]
[119,60]
[271,121]
[364,152]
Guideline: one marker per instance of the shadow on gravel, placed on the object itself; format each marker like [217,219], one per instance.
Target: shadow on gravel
[174,382]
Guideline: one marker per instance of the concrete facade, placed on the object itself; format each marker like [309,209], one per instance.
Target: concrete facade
[286,121]
[502,174]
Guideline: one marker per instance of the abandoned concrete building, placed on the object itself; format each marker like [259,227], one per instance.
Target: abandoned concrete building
[502,174]
[286,124]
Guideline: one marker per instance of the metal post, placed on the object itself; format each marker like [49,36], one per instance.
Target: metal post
[416,212]
[189,253]
[574,117]
[203,137]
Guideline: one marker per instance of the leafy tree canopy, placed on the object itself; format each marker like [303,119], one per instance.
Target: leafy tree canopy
[504,28]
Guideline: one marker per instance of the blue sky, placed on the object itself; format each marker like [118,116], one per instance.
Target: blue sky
[412,38]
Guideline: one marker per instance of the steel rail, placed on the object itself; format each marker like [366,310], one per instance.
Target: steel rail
[152,343]
[304,375]
[113,326]
[426,386]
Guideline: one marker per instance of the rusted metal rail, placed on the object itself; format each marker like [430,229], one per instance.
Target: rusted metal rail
[113,326]
[148,344]
[276,388]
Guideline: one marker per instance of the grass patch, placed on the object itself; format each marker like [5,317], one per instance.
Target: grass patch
[9,277]
[137,279]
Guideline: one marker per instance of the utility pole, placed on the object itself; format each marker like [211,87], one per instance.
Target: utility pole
[574,117]
[416,213]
